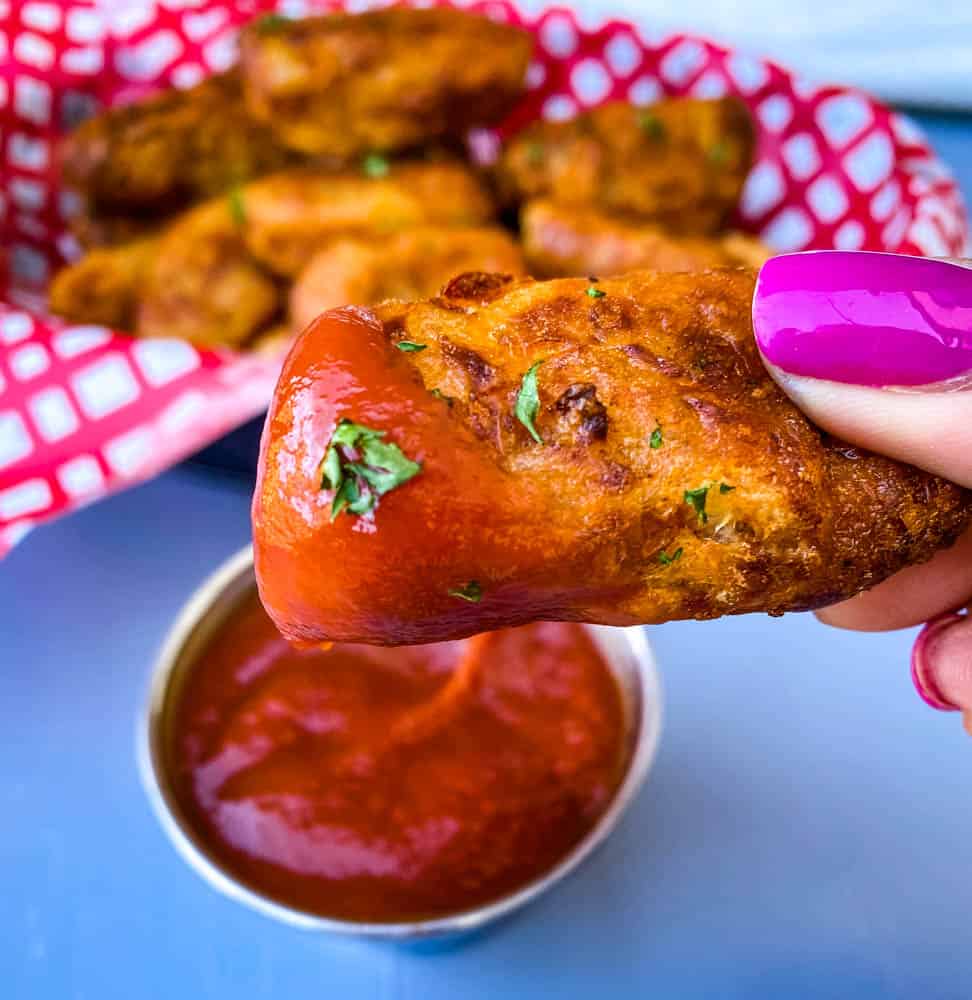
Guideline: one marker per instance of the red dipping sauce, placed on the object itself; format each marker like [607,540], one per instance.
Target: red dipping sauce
[391,784]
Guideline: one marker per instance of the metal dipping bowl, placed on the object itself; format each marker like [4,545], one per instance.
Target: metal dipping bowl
[626,651]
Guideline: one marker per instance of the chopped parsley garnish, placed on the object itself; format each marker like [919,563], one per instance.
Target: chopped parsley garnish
[237,207]
[719,153]
[471,592]
[410,347]
[651,124]
[655,441]
[528,401]
[535,153]
[724,488]
[360,467]
[666,560]
[375,165]
[595,293]
[696,500]
[270,24]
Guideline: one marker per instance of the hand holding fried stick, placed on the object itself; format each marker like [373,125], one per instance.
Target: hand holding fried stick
[610,452]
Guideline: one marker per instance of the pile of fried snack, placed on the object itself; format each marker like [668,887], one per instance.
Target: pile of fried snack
[330,166]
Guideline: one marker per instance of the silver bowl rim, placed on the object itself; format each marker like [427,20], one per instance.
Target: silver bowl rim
[149,753]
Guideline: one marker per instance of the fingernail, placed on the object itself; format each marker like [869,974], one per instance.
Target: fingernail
[935,652]
[874,319]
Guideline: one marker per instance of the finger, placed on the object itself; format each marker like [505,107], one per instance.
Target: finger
[875,348]
[912,596]
[941,663]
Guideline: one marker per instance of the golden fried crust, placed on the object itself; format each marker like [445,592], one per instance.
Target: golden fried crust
[387,80]
[272,342]
[158,155]
[565,240]
[681,162]
[292,214]
[103,286]
[97,230]
[648,393]
[409,265]
[203,285]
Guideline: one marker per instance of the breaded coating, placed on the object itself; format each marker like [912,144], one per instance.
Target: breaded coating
[412,264]
[290,215]
[103,286]
[387,80]
[681,162]
[158,155]
[211,277]
[203,286]
[96,230]
[668,477]
[272,342]
[568,241]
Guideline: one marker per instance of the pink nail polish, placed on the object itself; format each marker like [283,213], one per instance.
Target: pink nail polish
[874,319]
[921,672]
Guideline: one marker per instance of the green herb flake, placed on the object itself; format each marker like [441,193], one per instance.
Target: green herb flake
[696,500]
[237,207]
[535,153]
[724,488]
[410,347]
[439,394]
[651,125]
[655,441]
[375,165]
[471,592]
[528,401]
[666,560]
[271,24]
[360,468]
[719,153]
[595,293]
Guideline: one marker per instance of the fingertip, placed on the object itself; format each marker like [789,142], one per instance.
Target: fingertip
[941,663]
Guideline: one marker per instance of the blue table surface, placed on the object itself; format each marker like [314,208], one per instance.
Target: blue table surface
[806,831]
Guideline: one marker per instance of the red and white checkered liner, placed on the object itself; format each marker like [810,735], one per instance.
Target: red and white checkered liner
[84,410]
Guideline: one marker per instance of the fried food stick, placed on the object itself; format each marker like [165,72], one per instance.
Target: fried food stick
[212,275]
[681,162]
[159,155]
[103,286]
[408,265]
[345,85]
[565,241]
[289,216]
[203,285]
[610,452]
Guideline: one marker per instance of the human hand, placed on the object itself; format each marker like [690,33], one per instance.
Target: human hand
[877,349]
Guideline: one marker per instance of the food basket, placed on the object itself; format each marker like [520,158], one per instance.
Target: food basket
[85,410]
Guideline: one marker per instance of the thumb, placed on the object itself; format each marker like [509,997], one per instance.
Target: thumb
[875,348]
